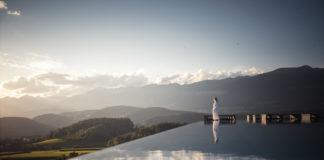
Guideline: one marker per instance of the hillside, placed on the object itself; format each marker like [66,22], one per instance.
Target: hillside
[154,115]
[139,116]
[113,111]
[88,135]
[54,120]
[15,127]
[99,129]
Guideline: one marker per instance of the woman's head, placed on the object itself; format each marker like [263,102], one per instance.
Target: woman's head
[215,99]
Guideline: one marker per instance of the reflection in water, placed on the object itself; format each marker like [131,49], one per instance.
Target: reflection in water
[265,119]
[215,131]
[254,118]
[118,154]
[248,118]
[239,141]
[305,118]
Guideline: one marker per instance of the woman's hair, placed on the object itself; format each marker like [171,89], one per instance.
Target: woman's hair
[216,99]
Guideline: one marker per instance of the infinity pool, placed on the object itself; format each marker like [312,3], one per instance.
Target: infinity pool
[224,141]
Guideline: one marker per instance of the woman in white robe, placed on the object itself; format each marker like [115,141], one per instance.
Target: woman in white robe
[215,110]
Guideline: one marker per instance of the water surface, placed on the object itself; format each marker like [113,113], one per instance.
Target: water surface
[224,141]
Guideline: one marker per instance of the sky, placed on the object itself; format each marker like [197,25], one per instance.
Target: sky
[63,48]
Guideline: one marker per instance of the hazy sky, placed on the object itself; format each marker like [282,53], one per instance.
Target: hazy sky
[53,47]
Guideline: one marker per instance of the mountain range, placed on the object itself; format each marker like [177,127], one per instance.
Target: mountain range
[139,116]
[15,127]
[299,89]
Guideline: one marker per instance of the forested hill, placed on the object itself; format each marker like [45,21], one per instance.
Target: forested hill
[96,132]
[99,129]
[112,131]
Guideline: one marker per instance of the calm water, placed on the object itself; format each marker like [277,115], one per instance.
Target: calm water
[233,141]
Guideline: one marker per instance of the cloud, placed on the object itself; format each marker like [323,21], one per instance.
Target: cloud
[57,78]
[63,84]
[50,84]
[202,74]
[16,84]
[253,71]
[16,13]
[29,85]
[3,5]
[31,62]
[96,80]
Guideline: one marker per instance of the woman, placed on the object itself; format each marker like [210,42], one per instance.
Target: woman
[215,110]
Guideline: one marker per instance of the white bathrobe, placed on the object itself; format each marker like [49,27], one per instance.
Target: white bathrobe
[215,111]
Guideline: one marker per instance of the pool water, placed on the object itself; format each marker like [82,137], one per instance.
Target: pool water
[224,141]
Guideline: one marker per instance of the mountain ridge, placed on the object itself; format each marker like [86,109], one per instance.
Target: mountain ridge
[15,127]
[139,116]
[295,89]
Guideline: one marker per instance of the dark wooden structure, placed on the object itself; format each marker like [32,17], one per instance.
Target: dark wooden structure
[224,119]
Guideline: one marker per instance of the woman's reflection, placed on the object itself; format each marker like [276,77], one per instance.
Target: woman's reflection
[215,131]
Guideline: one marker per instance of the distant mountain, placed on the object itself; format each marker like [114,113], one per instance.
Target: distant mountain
[54,120]
[28,106]
[140,116]
[298,89]
[147,115]
[112,112]
[15,127]
[180,118]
